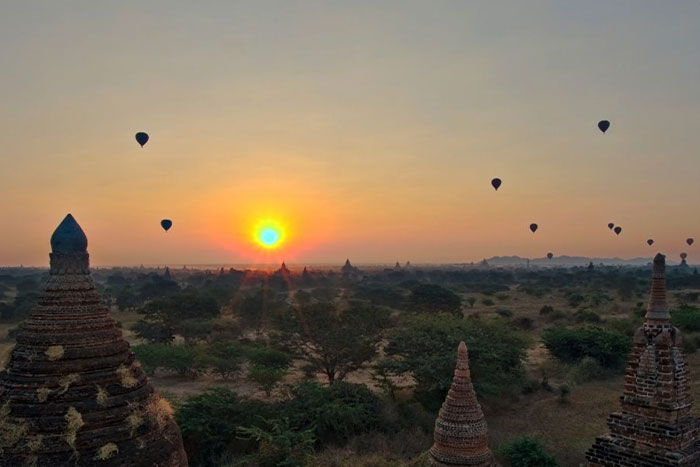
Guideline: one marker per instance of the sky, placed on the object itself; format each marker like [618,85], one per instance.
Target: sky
[370,130]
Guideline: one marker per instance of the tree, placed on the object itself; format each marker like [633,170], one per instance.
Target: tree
[284,446]
[267,367]
[223,358]
[426,348]
[471,300]
[334,341]
[187,313]
[434,298]
[571,345]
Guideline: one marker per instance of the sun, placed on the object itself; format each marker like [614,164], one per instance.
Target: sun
[269,234]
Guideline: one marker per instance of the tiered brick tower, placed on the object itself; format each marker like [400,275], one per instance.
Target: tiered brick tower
[461,435]
[72,394]
[654,427]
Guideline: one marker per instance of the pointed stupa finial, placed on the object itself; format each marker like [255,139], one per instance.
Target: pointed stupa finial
[657,310]
[461,434]
[69,237]
[69,248]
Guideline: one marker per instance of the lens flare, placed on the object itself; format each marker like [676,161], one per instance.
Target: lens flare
[269,234]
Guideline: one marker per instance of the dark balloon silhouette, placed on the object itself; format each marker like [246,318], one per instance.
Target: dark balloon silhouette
[611,225]
[141,138]
[603,125]
[689,241]
[650,242]
[618,229]
[166,224]
[684,255]
[550,255]
[496,183]
[533,227]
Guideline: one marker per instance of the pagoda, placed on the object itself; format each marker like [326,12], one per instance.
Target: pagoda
[461,435]
[654,427]
[73,393]
[348,269]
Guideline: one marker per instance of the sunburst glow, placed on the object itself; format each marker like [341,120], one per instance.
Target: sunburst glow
[269,234]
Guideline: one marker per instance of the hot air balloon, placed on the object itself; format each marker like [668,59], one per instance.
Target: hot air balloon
[550,255]
[166,224]
[650,242]
[603,125]
[689,241]
[496,183]
[611,225]
[618,229]
[684,255]
[533,227]
[141,138]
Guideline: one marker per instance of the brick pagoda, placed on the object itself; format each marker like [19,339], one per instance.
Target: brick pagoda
[73,394]
[461,435]
[654,427]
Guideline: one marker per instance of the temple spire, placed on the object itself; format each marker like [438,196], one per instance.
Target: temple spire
[461,435]
[654,426]
[657,309]
[73,392]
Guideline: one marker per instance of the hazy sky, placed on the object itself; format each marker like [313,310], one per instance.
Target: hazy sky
[370,129]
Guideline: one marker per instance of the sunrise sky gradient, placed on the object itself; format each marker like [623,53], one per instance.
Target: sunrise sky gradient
[368,129]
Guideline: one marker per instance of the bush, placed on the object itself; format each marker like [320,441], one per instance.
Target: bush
[488,302]
[588,369]
[608,348]
[686,318]
[587,316]
[209,424]
[434,298]
[528,452]
[335,412]
[269,357]
[182,359]
[525,323]
[280,445]
[504,312]
[545,310]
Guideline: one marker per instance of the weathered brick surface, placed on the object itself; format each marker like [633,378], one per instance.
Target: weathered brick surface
[73,394]
[654,427]
[461,435]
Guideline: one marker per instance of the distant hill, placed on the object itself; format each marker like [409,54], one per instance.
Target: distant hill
[566,261]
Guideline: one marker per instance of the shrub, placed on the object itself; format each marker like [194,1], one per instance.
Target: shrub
[587,316]
[564,391]
[504,312]
[686,318]
[488,302]
[588,369]
[334,412]
[545,310]
[209,424]
[609,348]
[525,323]
[280,444]
[528,452]
[434,298]
[182,359]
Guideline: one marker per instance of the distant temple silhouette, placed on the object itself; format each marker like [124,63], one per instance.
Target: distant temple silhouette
[654,427]
[73,393]
[348,270]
